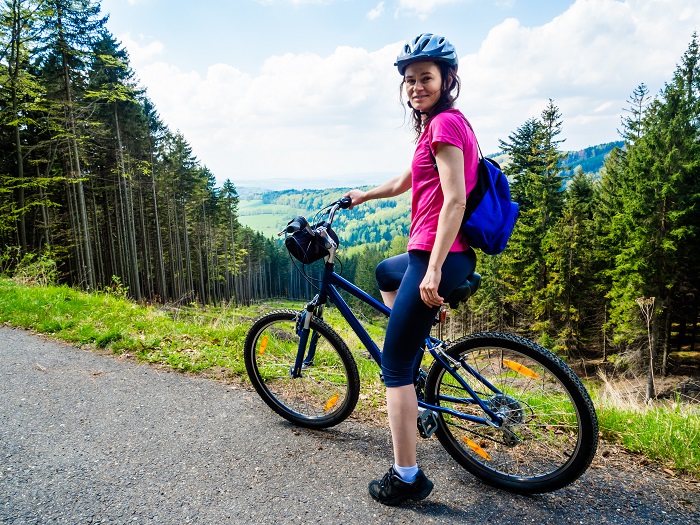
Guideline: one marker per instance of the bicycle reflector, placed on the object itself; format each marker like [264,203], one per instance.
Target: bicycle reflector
[476,448]
[520,369]
[331,402]
[263,345]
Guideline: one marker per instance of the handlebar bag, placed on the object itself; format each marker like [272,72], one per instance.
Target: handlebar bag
[308,248]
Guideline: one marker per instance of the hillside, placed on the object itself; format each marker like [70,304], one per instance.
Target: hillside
[591,159]
[375,222]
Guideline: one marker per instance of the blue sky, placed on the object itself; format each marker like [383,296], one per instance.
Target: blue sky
[303,93]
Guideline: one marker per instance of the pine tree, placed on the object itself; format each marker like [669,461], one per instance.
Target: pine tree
[20,95]
[609,229]
[569,288]
[633,123]
[111,87]
[535,170]
[660,193]
[70,28]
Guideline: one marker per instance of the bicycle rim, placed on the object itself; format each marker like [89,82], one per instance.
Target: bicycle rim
[550,430]
[328,389]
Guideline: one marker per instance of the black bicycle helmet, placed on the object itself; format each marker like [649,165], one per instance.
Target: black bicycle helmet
[426,46]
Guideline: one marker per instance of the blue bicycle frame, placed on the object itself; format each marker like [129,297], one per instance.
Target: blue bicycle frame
[330,283]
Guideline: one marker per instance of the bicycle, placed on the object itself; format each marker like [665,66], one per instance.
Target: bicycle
[505,408]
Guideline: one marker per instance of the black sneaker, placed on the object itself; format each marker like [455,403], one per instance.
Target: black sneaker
[392,490]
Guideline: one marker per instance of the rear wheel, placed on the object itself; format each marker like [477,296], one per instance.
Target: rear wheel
[549,433]
[329,386]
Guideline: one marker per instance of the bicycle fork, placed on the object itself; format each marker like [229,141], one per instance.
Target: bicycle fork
[306,335]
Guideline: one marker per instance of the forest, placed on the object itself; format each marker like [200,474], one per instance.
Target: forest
[96,191]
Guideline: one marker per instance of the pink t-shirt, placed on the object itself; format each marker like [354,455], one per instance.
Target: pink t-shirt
[448,127]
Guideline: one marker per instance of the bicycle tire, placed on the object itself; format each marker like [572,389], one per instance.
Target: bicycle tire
[550,435]
[327,391]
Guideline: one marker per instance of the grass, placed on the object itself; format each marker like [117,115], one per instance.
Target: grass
[185,339]
[209,341]
[666,431]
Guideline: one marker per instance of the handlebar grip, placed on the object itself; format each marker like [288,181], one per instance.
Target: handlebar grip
[296,224]
[345,203]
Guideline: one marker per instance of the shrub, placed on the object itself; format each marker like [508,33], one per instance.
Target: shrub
[37,270]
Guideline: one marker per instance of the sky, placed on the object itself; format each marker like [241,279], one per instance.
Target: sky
[304,94]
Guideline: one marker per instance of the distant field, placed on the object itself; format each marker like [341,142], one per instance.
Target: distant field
[268,225]
[374,223]
[268,219]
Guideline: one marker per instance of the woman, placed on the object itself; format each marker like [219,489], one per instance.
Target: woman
[438,257]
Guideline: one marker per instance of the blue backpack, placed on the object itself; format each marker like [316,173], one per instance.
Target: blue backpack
[489,216]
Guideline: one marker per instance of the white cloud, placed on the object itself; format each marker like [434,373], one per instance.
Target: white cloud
[301,115]
[141,49]
[423,7]
[588,59]
[376,12]
[305,116]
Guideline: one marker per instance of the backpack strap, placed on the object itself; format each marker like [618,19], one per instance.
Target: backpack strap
[475,196]
[481,155]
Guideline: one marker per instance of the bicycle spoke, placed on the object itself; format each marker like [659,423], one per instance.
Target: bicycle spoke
[541,432]
[327,389]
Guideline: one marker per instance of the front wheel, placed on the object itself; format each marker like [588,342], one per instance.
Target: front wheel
[549,433]
[327,390]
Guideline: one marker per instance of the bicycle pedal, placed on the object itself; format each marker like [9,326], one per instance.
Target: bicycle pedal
[427,422]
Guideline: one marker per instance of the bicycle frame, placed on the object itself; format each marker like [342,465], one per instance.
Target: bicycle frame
[330,283]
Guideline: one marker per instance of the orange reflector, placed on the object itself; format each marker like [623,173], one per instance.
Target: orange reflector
[331,402]
[476,448]
[263,345]
[520,369]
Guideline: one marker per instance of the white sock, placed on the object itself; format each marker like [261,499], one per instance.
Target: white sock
[407,474]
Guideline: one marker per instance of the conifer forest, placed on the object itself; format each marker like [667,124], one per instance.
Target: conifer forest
[95,187]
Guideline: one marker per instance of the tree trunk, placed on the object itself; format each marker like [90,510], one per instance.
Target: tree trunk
[46,220]
[73,143]
[667,343]
[188,257]
[161,263]
[13,71]
[651,388]
[130,230]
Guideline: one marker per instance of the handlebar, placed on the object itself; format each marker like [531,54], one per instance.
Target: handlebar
[343,204]
[299,223]
[296,224]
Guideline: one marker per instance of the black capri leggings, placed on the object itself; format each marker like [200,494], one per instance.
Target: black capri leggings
[411,319]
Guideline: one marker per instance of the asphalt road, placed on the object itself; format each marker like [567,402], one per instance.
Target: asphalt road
[90,438]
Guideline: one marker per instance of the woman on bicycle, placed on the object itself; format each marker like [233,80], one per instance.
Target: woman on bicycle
[438,258]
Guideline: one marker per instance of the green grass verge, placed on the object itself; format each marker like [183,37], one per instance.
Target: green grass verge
[209,341]
[667,434]
[185,339]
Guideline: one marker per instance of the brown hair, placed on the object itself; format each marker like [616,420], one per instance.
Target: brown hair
[450,91]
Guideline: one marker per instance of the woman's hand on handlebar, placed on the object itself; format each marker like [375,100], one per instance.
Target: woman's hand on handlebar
[357,197]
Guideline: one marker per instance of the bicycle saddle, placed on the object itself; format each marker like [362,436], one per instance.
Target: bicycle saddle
[465,290]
